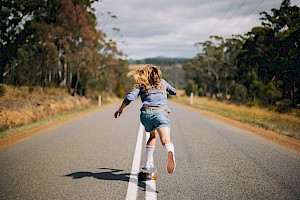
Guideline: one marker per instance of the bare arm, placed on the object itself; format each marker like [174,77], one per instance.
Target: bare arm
[120,110]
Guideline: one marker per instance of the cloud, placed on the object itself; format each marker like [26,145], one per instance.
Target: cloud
[172,27]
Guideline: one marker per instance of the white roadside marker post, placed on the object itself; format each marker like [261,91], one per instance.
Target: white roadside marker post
[192,98]
[99,100]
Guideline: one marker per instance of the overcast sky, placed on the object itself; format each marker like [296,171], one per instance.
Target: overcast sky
[170,28]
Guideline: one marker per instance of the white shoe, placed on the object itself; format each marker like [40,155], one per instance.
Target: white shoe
[149,168]
[171,162]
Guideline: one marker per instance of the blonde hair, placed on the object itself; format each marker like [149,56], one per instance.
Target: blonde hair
[147,77]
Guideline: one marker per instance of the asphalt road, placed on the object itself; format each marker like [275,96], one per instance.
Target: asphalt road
[92,158]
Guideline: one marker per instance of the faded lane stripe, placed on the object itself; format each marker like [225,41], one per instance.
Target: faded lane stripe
[135,169]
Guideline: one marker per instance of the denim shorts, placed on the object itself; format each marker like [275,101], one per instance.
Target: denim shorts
[154,119]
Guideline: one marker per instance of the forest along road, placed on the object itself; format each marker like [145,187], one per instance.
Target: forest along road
[94,157]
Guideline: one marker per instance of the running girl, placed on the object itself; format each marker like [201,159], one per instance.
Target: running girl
[152,89]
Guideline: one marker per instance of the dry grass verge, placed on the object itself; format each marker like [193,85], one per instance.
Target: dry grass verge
[24,105]
[21,106]
[28,131]
[286,124]
[27,111]
[283,129]
[290,143]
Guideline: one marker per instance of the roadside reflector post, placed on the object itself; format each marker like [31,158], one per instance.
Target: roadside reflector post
[192,98]
[99,100]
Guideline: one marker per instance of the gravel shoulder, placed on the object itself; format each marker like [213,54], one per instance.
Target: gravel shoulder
[283,140]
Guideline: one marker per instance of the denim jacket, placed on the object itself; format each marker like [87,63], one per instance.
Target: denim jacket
[154,97]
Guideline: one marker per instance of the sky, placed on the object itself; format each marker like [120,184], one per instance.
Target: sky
[170,28]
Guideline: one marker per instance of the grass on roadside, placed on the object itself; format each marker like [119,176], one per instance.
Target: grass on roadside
[52,119]
[286,124]
[26,107]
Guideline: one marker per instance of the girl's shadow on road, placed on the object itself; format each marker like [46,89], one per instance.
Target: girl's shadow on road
[109,174]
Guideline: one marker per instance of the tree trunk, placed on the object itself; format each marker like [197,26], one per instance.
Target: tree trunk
[50,77]
[63,82]
[77,81]
[4,53]
[293,93]
[225,91]
[2,68]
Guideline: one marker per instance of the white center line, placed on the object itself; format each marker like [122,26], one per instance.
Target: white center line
[133,181]
[150,184]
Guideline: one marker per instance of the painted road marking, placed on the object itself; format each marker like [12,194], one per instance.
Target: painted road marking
[135,169]
[150,184]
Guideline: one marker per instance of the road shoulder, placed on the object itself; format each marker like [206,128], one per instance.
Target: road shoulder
[25,135]
[290,143]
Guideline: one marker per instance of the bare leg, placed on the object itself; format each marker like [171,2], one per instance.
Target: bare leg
[152,139]
[164,134]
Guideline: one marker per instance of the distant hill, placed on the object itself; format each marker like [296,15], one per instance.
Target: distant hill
[160,61]
[171,68]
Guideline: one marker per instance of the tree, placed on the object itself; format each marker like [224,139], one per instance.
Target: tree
[217,65]
[65,49]
[263,65]
[191,87]
[15,22]
[272,50]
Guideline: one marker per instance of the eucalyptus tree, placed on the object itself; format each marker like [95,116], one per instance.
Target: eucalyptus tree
[56,43]
[272,52]
[230,78]
[210,65]
[15,21]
